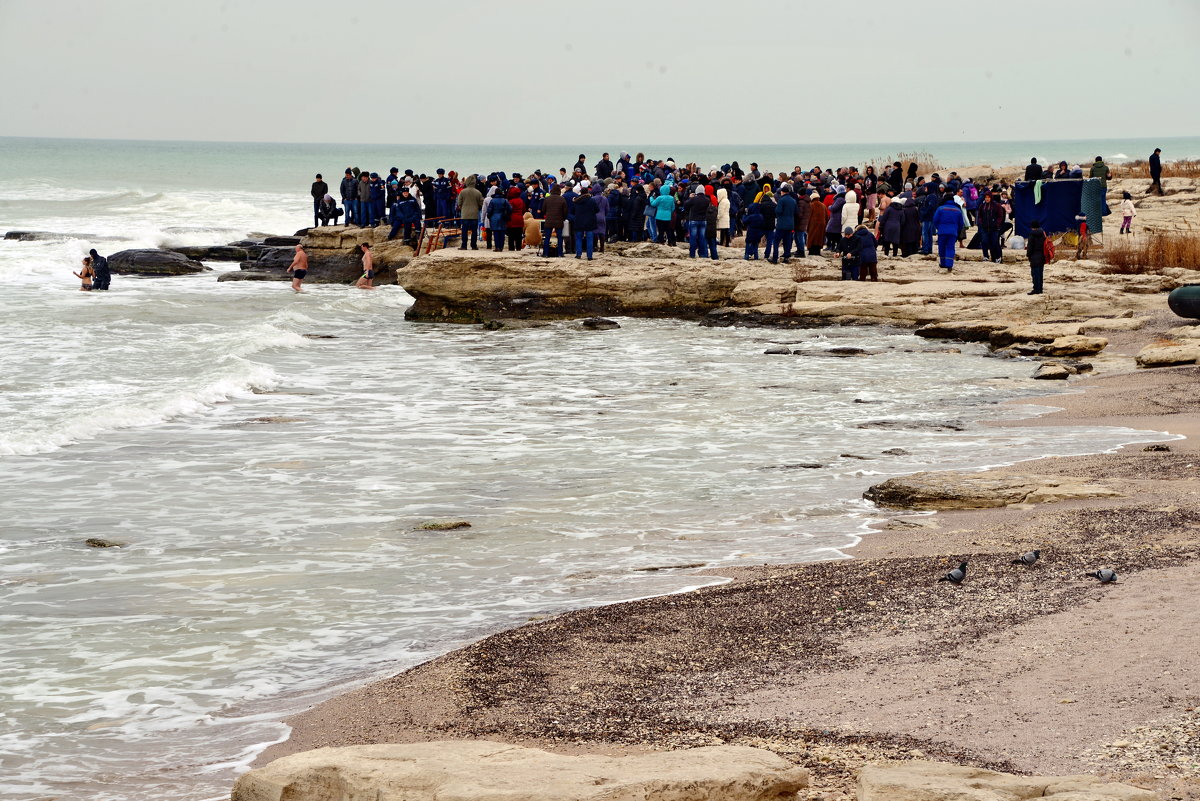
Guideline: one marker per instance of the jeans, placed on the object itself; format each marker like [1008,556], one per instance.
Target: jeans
[849,269]
[990,241]
[558,239]
[498,239]
[927,237]
[946,244]
[784,237]
[696,239]
[652,228]
[752,237]
[711,239]
[582,237]
[470,228]
[445,206]
[768,242]
[801,242]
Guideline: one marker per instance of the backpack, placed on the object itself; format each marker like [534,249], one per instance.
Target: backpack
[1048,249]
[972,193]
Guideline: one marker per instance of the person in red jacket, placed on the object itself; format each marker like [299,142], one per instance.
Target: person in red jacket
[516,220]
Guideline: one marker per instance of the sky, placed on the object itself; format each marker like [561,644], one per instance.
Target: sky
[548,71]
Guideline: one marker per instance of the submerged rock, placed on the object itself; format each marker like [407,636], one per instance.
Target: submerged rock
[599,324]
[153,263]
[443,525]
[777,350]
[100,542]
[482,770]
[254,275]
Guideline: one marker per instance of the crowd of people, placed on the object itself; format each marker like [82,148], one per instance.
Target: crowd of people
[850,213]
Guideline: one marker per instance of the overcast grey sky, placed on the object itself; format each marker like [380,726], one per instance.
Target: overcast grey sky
[549,71]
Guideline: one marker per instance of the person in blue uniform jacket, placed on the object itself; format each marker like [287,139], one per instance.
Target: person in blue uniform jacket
[947,221]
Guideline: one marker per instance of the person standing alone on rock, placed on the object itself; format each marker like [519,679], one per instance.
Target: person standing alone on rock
[100,268]
[319,190]
[1035,249]
[299,267]
[1156,172]
[368,276]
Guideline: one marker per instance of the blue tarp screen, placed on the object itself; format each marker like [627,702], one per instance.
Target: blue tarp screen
[1062,200]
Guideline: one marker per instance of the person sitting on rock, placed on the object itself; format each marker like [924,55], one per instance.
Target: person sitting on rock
[405,214]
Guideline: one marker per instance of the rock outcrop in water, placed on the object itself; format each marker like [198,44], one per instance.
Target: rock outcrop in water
[483,770]
[213,252]
[333,256]
[153,263]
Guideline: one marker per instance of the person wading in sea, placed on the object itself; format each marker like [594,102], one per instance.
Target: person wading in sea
[298,268]
[100,267]
[368,276]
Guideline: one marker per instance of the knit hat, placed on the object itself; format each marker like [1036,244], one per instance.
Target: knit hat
[847,230]
[841,190]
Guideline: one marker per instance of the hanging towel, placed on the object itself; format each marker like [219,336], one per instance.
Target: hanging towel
[1092,204]
[1037,191]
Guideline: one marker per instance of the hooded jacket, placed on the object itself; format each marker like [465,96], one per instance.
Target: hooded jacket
[851,209]
[664,204]
[469,202]
[910,223]
[533,231]
[586,210]
[867,252]
[889,223]
[834,226]
[516,214]
[349,189]
[722,208]
[601,210]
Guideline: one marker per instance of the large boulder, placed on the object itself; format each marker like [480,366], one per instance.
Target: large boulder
[153,263]
[481,770]
[919,780]
[334,257]
[955,490]
[1074,345]
[1168,355]
[213,253]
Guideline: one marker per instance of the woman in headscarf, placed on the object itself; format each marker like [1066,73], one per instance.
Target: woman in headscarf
[516,218]
[601,214]
[833,228]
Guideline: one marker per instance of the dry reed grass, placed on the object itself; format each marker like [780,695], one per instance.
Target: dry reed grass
[1140,168]
[1150,252]
[926,162]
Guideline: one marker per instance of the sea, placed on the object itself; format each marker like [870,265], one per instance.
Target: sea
[270,460]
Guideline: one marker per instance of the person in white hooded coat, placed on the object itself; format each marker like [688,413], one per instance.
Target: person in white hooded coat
[723,215]
[852,208]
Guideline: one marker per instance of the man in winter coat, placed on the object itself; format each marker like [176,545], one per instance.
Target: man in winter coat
[349,189]
[695,208]
[1100,170]
[850,246]
[803,212]
[1035,249]
[319,190]
[1156,172]
[1034,171]
[468,206]
[443,197]
[929,202]
[635,211]
[947,221]
[754,231]
[604,168]
[366,212]
[406,214]
[584,223]
[555,209]
[785,225]
[990,219]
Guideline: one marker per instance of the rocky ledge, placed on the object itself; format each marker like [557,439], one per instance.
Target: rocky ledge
[975,303]
[483,770]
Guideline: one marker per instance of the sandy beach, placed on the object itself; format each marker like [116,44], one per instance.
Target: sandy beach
[834,664]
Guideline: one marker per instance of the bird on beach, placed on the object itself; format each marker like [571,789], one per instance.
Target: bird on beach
[957,575]
[1027,558]
[1106,576]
